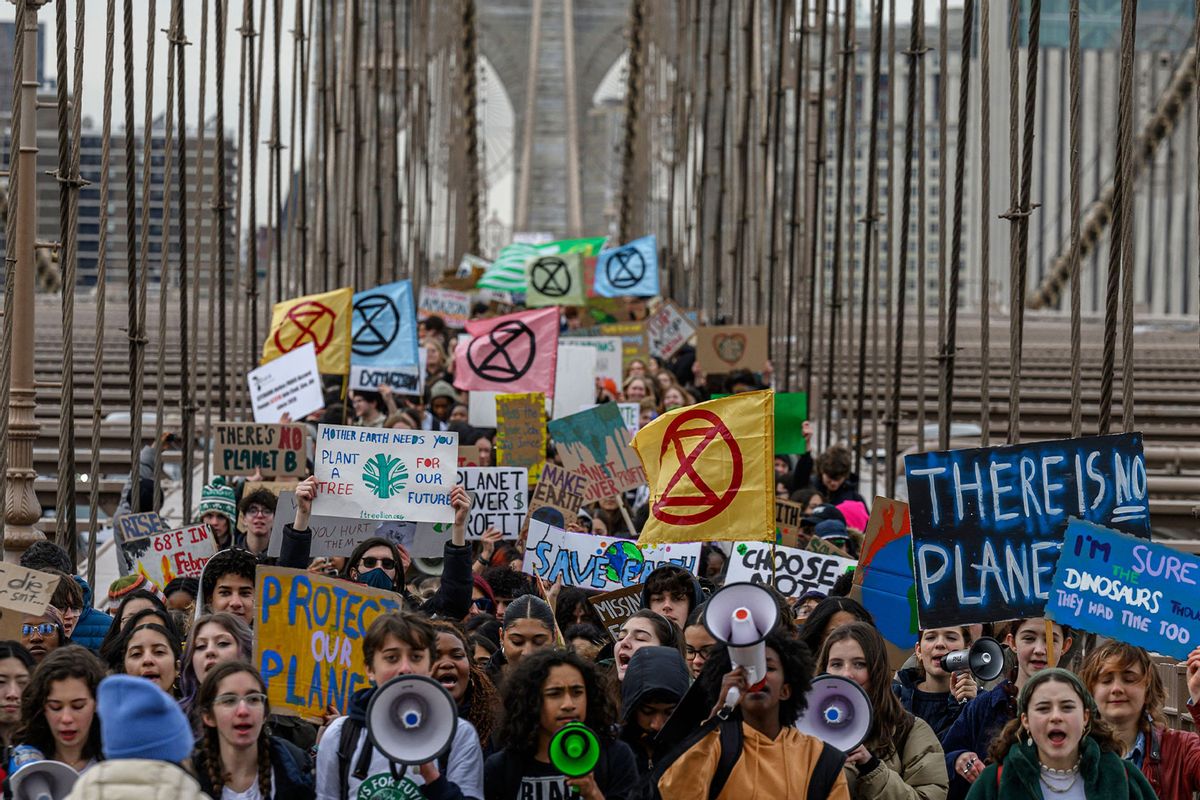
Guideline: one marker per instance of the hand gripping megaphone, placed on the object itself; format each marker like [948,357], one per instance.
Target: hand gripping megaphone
[740,616]
[984,658]
[574,750]
[43,780]
[411,719]
[838,712]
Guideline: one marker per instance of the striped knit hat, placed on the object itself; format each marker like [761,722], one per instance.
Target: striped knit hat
[218,497]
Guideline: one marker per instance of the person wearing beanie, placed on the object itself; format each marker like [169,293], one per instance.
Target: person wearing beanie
[146,739]
[218,510]
[442,398]
[655,682]
[122,587]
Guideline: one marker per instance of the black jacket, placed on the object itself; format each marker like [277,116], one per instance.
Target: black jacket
[847,491]
[615,773]
[452,600]
[655,674]
[939,710]
[291,768]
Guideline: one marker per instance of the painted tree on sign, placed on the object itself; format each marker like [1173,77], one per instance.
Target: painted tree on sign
[384,476]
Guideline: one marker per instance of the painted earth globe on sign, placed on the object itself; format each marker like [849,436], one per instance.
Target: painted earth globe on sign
[619,555]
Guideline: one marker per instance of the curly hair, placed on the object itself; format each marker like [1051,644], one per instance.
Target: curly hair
[571,598]
[1099,730]
[890,723]
[480,704]
[794,658]
[813,631]
[208,756]
[522,698]
[236,627]
[1114,656]
[226,562]
[71,661]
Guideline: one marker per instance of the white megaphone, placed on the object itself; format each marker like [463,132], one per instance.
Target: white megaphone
[740,616]
[838,712]
[411,719]
[984,659]
[43,780]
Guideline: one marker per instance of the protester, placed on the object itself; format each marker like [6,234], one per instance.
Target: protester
[180,594]
[58,711]
[806,602]
[236,758]
[969,738]
[369,409]
[698,642]
[67,600]
[673,592]
[1130,697]
[585,639]
[834,479]
[573,607]
[150,649]
[215,638]
[395,644]
[507,585]
[15,667]
[543,693]
[256,516]
[92,624]
[929,692]
[1058,746]
[132,603]
[218,510]
[227,584]
[656,680]
[644,628]
[43,633]
[901,756]
[472,690]
[830,613]
[124,586]
[528,627]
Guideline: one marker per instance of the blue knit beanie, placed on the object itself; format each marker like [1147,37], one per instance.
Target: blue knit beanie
[140,720]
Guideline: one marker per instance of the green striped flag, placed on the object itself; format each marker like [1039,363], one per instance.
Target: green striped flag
[507,272]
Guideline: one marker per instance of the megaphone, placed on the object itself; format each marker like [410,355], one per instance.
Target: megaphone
[985,659]
[411,719]
[838,712]
[43,780]
[740,616]
[574,750]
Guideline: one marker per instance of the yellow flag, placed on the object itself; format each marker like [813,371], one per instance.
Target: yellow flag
[323,320]
[711,471]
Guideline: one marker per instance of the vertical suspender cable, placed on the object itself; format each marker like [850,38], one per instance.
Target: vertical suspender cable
[716,233]
[198,271]
[1076,211]
[943,145]
[814,199]
[922,232]
[276,145]
[250,242]
[164,248]
[132,331]
[1124,209]
[835,269]
[185,381]
[795,251]
[219,207]
[985,226]
[1015,300]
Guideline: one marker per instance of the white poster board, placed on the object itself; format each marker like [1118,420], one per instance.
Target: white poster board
[289,384]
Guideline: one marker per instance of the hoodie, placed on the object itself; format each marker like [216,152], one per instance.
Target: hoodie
[655,675]
[93,624]
[697,590]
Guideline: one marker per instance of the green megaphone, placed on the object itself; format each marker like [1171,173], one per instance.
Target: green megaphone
[574,750]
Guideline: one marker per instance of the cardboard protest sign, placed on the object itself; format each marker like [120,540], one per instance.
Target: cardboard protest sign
[558,496]
[1126,588]
[818,545]
[468,456]
[790,571]
[598,562]
[609,360]
[787,522]
[634,345]
[24,590]
[630,270]
[243,448]
[308,638]
[322,320]
[988,523]
[555,280]
[383,328]
[521,431]
[127,527]
[885,573]
[179,553]
[711,471]
[513,353]
[668,330]
[381,474]
[291,384]
[330,536]
[453,307]
[500,499]
[574,380]
[616,606]
[721,349]
[595,444]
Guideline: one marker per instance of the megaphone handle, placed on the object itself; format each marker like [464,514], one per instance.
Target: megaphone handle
[732,697]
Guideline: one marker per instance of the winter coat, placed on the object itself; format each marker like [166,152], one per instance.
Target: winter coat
[1105,776]
[915,771]
[847,491]
[1180,751]
[291,771]
[93,624]
[136,779]
[508,775]
[939,709]
[974,730]
[452,600]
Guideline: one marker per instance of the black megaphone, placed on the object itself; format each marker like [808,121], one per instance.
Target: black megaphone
[984,659]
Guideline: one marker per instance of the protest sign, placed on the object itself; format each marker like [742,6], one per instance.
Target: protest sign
[616,606]
[668,330]
[595,444]
[127,527]
[721,349]
[179,553]
[631,416]
[322,320]
[453,307]
[468,455]
[290,385]
[383,329]
[885,573]
[988,523]
[481,409]
[243,448]
[308,638]
[521,431]
[1126,588]
[555,280]
[381,474]
[633,341]
[330,536]
[819,545]
[790,571]
[574,380]
[513,353]
[403,380]
[558,496]
[711,471]
[787,522]
[598,562]
[609,362]
[24,590]
[499,502]
[630,270]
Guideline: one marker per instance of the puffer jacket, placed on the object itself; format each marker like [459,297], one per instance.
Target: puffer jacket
[136,779]
[916,772]
[93,624]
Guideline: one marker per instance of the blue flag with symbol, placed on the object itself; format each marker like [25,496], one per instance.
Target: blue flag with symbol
[630,270]
[384,327]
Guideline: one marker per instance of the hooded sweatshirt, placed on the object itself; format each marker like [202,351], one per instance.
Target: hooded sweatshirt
[655,675]
[93,624]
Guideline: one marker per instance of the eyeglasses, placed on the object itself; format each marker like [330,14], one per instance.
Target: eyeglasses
[230,701]
[483,604]
[370,562]
[43,628]
[259,511]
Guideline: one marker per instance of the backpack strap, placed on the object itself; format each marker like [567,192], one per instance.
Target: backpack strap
[731,738]
[351,729]
[825,773]
[999,770]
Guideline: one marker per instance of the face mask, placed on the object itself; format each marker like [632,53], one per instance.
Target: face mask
[376,579]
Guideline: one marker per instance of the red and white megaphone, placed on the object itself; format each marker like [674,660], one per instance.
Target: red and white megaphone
[740,616]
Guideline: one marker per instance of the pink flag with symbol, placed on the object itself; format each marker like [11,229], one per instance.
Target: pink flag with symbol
[513,353]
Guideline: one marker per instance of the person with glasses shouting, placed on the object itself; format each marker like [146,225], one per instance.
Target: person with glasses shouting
[43,633]
[236,759]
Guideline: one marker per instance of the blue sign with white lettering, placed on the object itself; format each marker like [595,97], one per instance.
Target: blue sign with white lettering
[1114,585]
[988,523]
